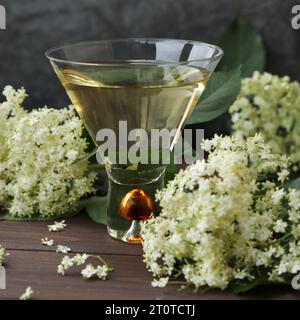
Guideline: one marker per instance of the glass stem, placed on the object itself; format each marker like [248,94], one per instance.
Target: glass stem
[139,188]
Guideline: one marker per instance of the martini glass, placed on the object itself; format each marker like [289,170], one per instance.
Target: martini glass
[123,90]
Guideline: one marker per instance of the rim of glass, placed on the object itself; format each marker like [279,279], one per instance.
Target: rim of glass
[49,52]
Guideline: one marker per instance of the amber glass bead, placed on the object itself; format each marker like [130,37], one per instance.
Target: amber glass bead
[136,205]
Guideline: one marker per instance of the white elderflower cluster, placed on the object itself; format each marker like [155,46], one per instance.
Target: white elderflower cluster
[47,242]
[27,295]
[3,255]
[270,105]
[57,226]
[38,149]
[89,271]
[62,249]
[224,218]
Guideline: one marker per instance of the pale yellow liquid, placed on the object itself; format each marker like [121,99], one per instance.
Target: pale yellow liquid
[145,96]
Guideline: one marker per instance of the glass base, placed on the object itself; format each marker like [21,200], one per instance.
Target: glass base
[131,195]
[133,235]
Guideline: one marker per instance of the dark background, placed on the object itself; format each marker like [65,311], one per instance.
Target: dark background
[35,25]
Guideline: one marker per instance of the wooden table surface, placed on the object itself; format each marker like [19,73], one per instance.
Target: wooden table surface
[32,264]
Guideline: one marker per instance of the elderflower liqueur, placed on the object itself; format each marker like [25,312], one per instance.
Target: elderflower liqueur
[147,83]
[146,96]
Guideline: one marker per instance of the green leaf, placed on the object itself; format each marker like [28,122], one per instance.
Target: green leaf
[170,173]
[220,93]
[96,208]
[89,140]
[243,46]
[293,184]
[241,286]
[86,157]
[95,167]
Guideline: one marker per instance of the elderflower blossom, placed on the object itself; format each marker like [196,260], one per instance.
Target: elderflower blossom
[100,271]
[3,255]
[270,105]
[89,271]
[47,242]
[38,149]
[160,283]
[27,295]
[57,226]
[80,259]
[222,218]
[62,249]
[65,264]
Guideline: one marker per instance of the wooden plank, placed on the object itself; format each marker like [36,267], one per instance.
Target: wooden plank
[81,235]
[130,281]
[32,264]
